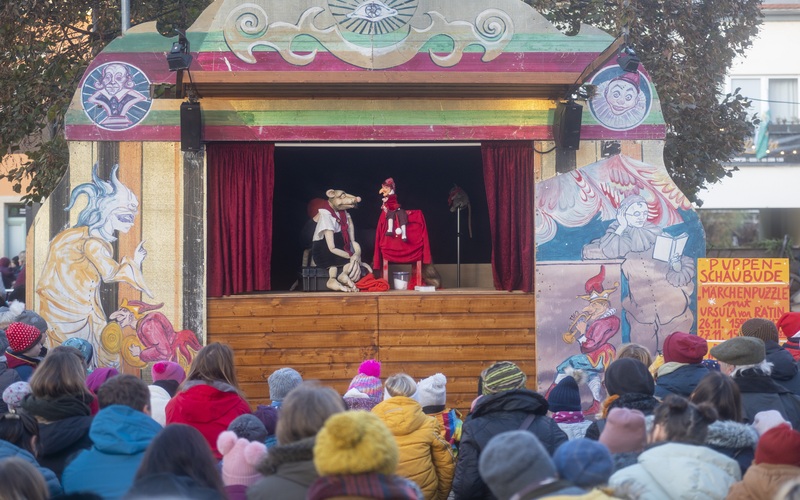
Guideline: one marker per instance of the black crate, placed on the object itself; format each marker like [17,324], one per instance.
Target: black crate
[314,279]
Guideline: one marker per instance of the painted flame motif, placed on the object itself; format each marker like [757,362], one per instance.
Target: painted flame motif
[372,11]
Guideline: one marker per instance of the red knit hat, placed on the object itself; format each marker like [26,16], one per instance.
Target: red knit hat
[22,337]
[779,446]
[683,347]
[789,324]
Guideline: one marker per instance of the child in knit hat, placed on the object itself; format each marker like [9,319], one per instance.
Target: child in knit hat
[777,461]
[167,376]
[25,348]
[515,464]
[625,436]
[249,427]
[281,381]
[240,459]
[425,457]
[14,394]
[584,462]
[683,366]
[432,396]
[789,324]
[502,376]
[565,406]
[365,390]
[356,456]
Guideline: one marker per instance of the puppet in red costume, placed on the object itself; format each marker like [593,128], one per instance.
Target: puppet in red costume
[395,215]
[594,326]
[160,340]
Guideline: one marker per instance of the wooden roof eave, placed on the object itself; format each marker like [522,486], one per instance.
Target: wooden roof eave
[379,84]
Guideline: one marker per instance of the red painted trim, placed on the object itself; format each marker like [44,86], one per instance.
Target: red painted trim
[163,133]
[364,133]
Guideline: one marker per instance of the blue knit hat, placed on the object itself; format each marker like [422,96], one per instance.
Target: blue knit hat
[584,462]
[565,396]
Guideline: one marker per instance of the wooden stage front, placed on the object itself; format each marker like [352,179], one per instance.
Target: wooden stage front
[326,335]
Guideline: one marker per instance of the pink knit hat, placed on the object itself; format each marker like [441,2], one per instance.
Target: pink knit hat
[624,431]
[239,459]
[368,380]
[167,370]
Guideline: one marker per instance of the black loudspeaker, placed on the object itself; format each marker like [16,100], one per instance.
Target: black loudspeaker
[191,126]
[567,125]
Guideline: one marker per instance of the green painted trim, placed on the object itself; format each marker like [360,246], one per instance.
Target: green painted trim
[335,117]
[215,42]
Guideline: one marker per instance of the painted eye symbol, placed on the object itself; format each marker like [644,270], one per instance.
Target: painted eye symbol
[372,11]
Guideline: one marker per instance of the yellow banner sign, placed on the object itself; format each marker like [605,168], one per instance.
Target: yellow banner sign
[731,291]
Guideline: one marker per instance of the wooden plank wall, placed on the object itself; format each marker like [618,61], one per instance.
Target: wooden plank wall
[325,336]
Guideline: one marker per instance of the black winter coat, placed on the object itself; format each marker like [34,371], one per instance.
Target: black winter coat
[760,393]
[784,368]
[493,414]
[645,403]
[682,381]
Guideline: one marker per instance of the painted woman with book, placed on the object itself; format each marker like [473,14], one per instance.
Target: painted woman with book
[660,280]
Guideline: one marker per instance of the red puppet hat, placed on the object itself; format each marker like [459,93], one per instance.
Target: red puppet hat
[632,78]
[389,183]
[595,289]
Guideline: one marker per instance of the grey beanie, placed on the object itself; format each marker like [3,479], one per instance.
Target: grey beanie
[282,381]
[248,427]
[31,318]
[513,460]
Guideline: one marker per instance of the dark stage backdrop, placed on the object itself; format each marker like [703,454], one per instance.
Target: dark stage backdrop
[423,175]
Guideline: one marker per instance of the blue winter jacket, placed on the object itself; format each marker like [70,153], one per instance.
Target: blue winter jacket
[8,450]
[120,435]
[682,381]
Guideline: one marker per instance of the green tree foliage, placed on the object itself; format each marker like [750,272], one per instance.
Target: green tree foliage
[687,46]
[45,47]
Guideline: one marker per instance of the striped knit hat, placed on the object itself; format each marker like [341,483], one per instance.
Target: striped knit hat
[502,376]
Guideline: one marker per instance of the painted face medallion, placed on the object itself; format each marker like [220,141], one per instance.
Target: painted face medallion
[622,100]
[116,96]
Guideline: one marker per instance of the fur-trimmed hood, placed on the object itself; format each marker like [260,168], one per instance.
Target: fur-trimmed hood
[730,434]
[299,451]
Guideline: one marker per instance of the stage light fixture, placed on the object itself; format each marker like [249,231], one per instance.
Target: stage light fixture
[628,60]
[179,57]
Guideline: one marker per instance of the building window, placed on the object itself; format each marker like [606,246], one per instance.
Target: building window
[783,100]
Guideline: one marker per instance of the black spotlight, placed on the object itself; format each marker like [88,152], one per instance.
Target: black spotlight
[179,57]
[628,60]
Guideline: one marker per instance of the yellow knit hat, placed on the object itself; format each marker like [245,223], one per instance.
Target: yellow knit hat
[355,442]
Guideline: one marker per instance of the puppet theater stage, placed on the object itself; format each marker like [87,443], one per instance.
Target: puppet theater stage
[294,97]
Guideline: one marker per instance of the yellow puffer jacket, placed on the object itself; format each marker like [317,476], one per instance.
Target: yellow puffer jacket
[425,457]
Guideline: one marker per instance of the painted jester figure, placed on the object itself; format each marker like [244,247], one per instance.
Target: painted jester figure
[594,326]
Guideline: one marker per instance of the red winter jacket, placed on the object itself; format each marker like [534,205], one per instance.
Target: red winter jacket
[793,346]
[209,408]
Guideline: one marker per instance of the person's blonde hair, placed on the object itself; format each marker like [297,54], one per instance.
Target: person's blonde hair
[214,363]
[305,410]
[61,373]
[20,479]
[400,384]
[635,351]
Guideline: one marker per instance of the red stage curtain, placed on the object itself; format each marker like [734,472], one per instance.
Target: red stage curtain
[508,175]
[241,179]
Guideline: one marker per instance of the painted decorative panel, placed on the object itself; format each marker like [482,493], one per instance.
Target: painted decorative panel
[628,241]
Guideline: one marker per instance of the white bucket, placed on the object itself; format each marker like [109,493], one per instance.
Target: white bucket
[401,280]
